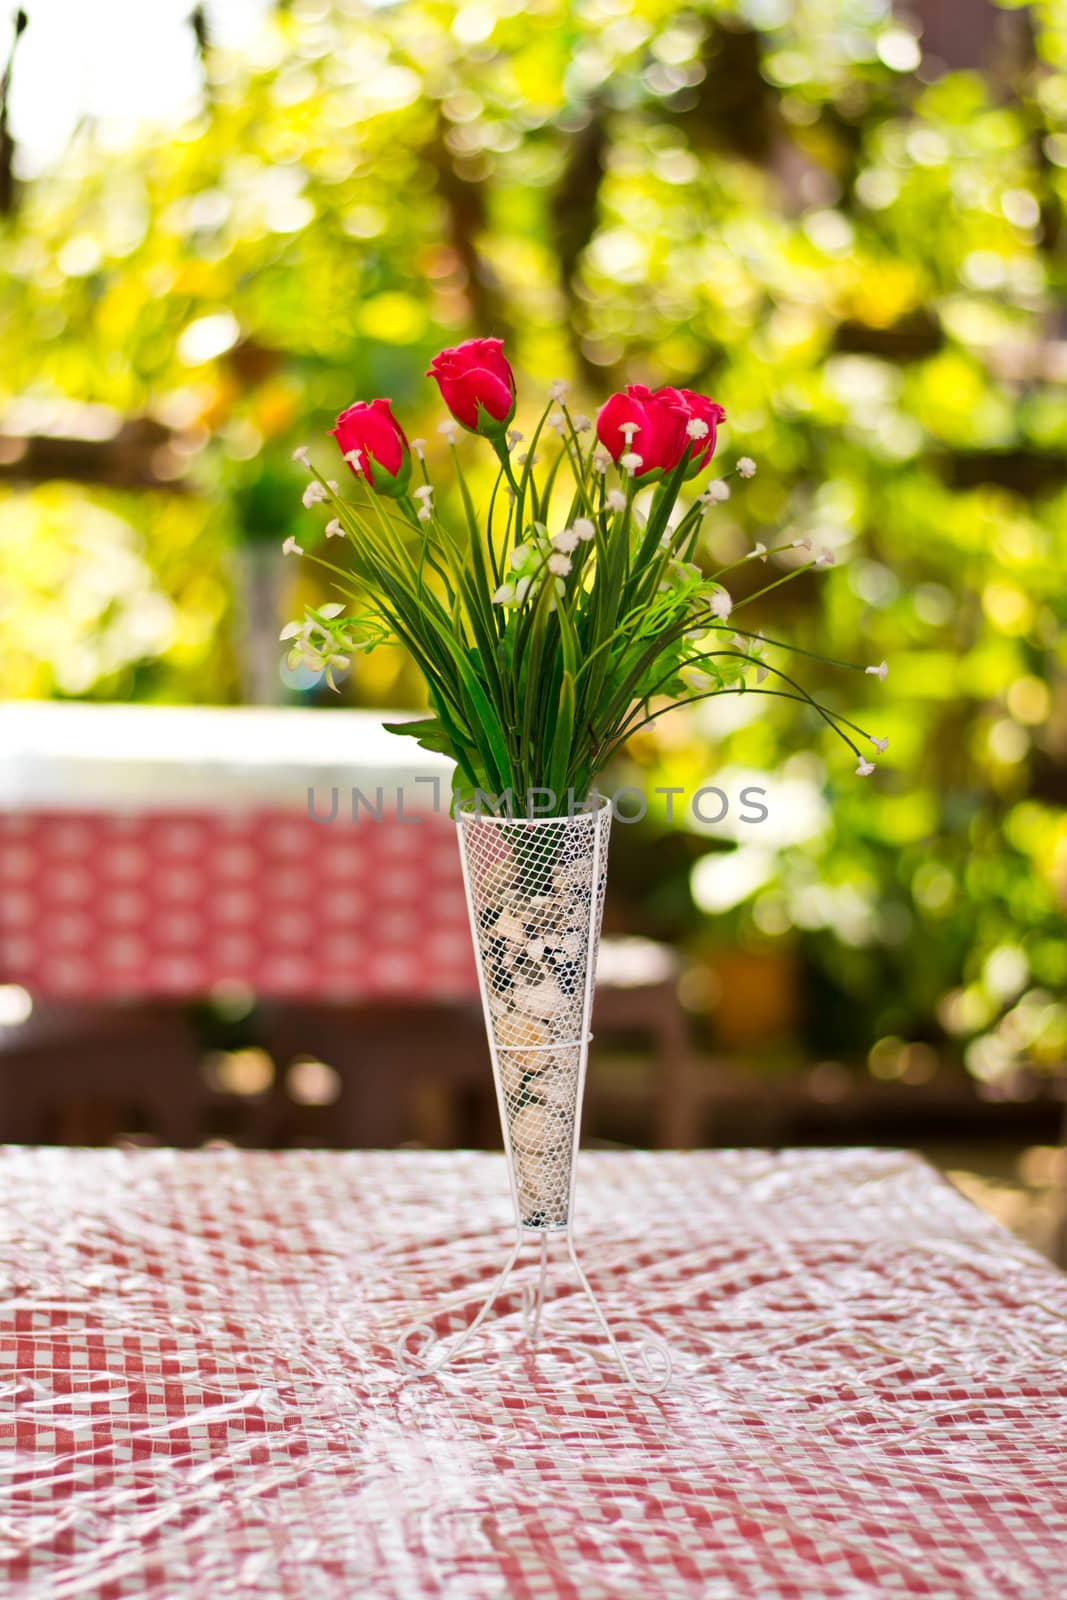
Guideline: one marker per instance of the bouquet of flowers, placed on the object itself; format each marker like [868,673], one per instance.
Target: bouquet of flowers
[571,610]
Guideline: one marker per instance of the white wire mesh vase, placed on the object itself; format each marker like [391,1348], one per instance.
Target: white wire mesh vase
[535,894]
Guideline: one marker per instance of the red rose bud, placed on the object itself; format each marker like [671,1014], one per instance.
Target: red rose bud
[375,446]
[652,426]
[699,409]
[477,385]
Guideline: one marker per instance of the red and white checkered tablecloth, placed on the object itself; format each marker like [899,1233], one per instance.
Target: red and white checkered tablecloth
[158,903]
[200,1399]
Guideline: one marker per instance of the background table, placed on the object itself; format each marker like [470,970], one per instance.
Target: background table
[201,1400]
[165,851]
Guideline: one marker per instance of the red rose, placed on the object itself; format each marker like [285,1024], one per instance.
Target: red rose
[477,385]
[652,426]
[698,409]
[658,426]
[374,445]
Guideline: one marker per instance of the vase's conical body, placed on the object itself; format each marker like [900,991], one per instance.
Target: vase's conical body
[536,895]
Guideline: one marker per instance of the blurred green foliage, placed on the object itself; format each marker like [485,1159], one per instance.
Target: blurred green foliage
[855,245]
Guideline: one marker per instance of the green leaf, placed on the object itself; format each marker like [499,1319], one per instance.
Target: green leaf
[559,759]
[428,733]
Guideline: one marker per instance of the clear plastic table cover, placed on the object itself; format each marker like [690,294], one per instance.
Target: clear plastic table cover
[199,1395]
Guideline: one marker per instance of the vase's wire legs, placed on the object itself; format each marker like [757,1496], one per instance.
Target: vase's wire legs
[655,1356]
[415,1360]
[533,1299]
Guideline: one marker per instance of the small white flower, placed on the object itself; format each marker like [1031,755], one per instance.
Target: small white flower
[334,529]
[825,558]
[616,500]
[291,548]
[514,438]
[715,493]
[601,459]
[559,424]
[305,655]
[526,457]
[720,604]
[584,529]
[301,454]
[354,458]
[631,462]
[628,429]
[802,544]
[292,630]
[558,390]
[424,513]
[696,428]
[762,673]
[334,609]
[864,769]
[504,595]
[509,491]
[746,467]
[419,447]
[519,556]
[880,671]
[560,565]
[881,745]
[314,494]
[522,589]
[424,492]
[759,550]
[565,541]
[449,428]
[582,424]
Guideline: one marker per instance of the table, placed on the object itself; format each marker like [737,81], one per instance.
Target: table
[201,1400]
[152,852]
